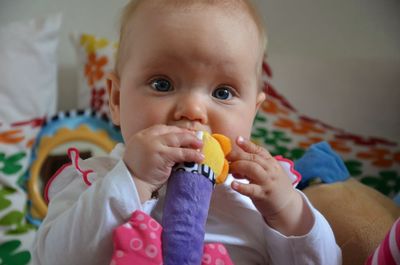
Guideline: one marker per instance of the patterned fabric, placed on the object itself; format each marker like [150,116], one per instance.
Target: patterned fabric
[283,130]
[96,58]
[201,169]
[16,234]
[388,252]
[139,242]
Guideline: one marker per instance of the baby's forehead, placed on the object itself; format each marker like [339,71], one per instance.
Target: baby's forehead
[139,10]
[236,7]
[187,4]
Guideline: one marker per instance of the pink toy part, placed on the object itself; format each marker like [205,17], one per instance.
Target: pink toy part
[388,252]
[139,242]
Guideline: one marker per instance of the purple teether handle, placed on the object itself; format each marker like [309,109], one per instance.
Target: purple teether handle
[184,218]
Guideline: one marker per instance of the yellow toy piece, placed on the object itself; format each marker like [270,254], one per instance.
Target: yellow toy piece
[215,148]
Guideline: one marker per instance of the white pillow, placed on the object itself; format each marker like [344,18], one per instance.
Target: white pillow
[28,68]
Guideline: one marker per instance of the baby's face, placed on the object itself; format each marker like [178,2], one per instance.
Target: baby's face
[195,69]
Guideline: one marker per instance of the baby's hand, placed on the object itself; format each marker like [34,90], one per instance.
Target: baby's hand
[269,188]
[151,153]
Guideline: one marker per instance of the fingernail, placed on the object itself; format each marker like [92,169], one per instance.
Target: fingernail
[235,185]
[202,156]
[240,139]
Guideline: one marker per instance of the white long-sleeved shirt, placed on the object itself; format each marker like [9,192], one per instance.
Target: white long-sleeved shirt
[89,198]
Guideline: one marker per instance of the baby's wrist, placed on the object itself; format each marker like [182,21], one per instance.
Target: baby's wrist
[144,189]
[295,219]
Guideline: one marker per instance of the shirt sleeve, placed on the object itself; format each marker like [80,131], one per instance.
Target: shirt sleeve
[318,246]
[80,220]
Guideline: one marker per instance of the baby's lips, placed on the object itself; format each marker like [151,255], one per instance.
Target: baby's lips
[192,126]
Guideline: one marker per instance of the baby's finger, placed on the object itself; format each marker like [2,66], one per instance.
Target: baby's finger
[266,163]
[185,139]
[177,155]
[250,147]
[161,129]
[237,155]
[251,171]
[250,190]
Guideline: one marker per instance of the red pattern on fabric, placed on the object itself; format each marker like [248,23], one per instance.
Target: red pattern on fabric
[380,157]
[139,242]
[271,106]
[291,168]
[97,98]
[397,233]
[267,69]
[73,154]
[388,252]
[385,256]
[316,121]
[37,122]
[366,141]
[271,91]
[298,126]
[52,178]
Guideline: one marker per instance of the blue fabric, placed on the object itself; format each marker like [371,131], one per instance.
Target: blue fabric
[321,164]
[397,199]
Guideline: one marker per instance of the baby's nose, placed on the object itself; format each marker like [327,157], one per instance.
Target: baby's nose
[191,107]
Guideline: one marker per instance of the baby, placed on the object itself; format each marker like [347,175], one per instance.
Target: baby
[185,66]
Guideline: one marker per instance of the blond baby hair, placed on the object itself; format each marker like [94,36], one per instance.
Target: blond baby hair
[133,5]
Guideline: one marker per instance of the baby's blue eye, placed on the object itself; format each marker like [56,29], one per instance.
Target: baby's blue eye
[223,93]
[161,85]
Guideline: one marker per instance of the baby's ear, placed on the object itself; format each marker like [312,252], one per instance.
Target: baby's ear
[260,99]
[113,86]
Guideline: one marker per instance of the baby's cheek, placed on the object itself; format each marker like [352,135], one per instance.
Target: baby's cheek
[235,128]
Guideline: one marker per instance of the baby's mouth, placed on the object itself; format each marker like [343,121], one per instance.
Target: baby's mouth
[192,126]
